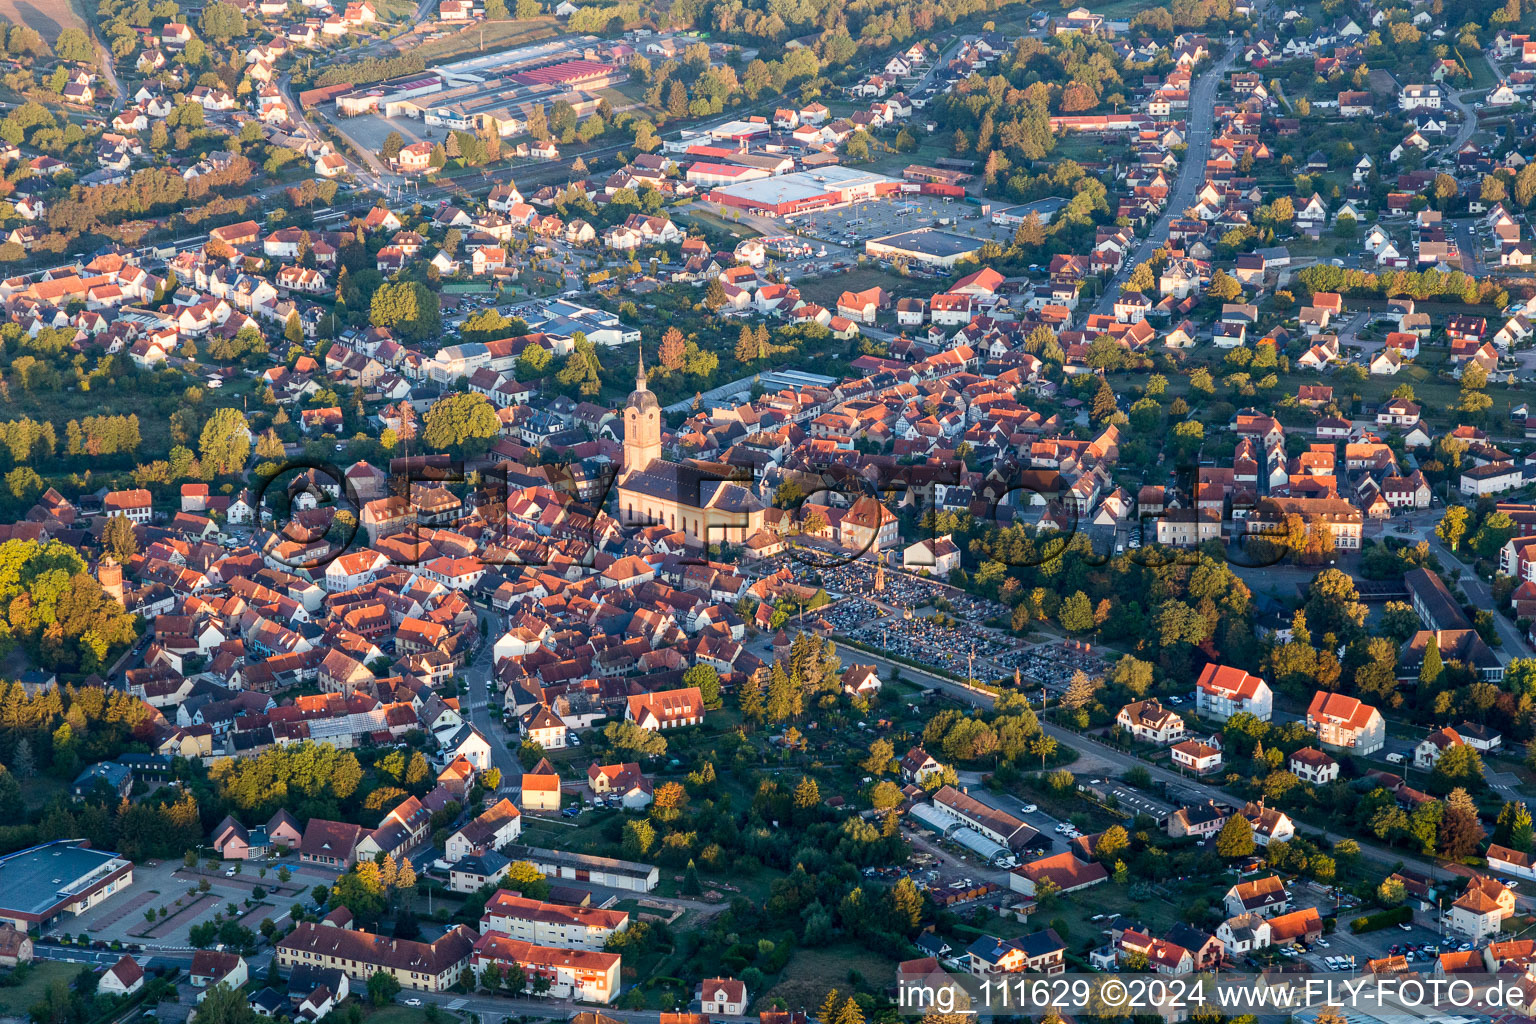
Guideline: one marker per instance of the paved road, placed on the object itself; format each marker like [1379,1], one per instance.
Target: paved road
[1202,121]
[1468,116]
[1096,757]
[478,673]
[108,69]
[1481,596]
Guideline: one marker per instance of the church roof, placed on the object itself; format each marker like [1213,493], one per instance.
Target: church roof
[695,484]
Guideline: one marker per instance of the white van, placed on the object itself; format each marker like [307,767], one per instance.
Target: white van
[1395,758]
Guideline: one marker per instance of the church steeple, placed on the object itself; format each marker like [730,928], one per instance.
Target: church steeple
[642,423]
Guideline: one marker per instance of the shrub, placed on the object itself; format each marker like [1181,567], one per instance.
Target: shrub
[1381,919]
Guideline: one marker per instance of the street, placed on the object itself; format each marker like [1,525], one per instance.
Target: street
[1202,121]
[1097,758]
[478,710]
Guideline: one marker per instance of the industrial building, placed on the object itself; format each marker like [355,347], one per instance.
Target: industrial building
[804,191]
[41,884]
[492,91]
[991,852]
[924,245]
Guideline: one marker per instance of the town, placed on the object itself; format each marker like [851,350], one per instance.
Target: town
[608,513]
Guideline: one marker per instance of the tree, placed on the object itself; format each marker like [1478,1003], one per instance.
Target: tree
[1525,185]
[857,147]
[707,679]
[672,347]
[526,877]
[1432,667]
[1513,827]
[1133,675]
[458,419]
[1080,691]
[119,539]
[1235,838]
[224,1004]
[407,307]
[225,442]
[1453,526]
[1445,189]
[222,22]
[1391,892]
[638,838]
[881,758]
[393,144]
[1104,405]
[807,793]
[1113,841]
[1456,765]
[383,987]
[1224,287]
[1076,614]
[1461,833]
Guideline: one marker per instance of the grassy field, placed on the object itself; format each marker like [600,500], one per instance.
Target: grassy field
[496,35]
[15,1001]
[48,17]
[812,972]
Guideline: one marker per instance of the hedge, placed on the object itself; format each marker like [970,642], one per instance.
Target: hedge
[1381,919]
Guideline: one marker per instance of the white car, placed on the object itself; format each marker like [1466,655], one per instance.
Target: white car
[1031,809]
[413,1002]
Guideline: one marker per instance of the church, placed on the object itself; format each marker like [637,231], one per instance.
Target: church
[709,502]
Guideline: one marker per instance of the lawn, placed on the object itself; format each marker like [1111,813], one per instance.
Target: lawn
[397,1014]
[1482,74]
[927,154]
[810,973]
[15,1001]
[712,221]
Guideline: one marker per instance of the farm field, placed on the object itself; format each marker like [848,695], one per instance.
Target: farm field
[480,38]
[48,17]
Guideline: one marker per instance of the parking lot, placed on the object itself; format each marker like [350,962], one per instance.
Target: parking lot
[170,887]
[852,225]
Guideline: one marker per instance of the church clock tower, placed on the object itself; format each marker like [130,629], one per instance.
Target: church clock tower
[642,425]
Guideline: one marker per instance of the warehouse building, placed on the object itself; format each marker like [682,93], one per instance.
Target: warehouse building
[804,191]
[581,867]
[41,884]
[924,245]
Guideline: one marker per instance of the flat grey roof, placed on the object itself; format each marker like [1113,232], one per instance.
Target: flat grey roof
[929,242]
[580,860]
[34,881]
